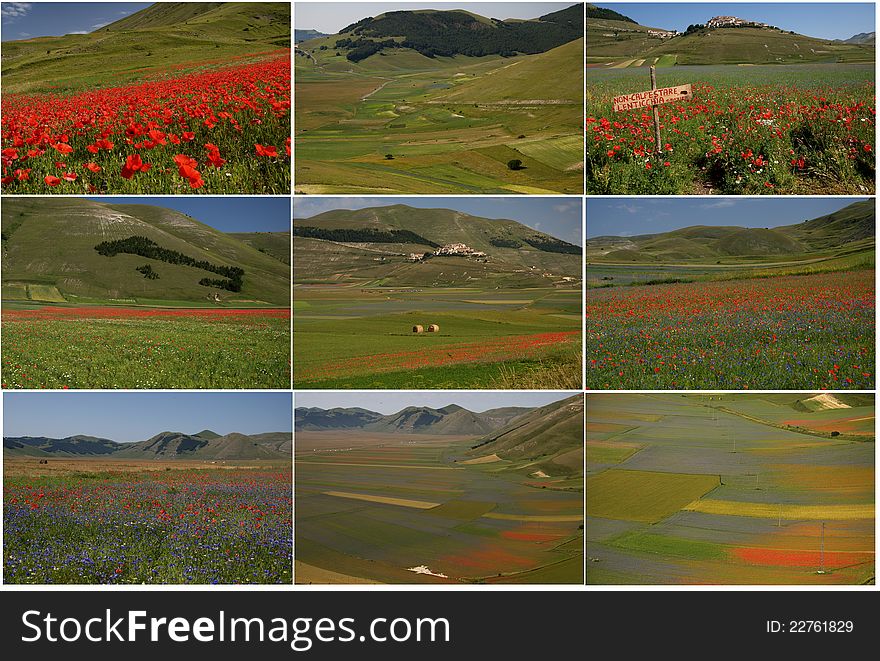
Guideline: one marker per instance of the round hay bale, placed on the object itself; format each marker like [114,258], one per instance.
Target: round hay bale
[433,328]
[418,329]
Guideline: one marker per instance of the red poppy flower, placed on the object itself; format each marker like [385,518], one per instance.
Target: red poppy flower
[52,181]
[266,150]
[94,167]
[134,164]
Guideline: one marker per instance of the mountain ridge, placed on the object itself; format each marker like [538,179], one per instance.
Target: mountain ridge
[448,420]
[851,226]
[351,242]
[204,445]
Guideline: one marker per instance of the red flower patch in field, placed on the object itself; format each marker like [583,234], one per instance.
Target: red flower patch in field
[530,536]
[101,312]
[517,346]
[794,558]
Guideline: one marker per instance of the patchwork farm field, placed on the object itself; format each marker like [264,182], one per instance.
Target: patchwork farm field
[787,332]
[346,337]
[404,123]
[118,347]
[116,521]
[730,489]
[400,508]
[766,129]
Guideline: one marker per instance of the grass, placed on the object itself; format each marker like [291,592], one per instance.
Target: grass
[645,496]
[642,542]
[127,53]
[451,124]
[479,345]
[39,269]
[183,352]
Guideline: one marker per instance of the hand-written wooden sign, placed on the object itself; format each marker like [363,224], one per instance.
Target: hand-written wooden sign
[651,97]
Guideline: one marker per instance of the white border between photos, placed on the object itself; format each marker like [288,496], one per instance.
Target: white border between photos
[293,588]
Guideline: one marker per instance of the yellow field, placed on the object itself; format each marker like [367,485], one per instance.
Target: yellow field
[385,500]
[787,512]
[644,495]
[488,459]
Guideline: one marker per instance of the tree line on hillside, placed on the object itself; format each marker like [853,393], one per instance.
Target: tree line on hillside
[444,34]
[607,14]
[542,243]
[144,247]
[362,235]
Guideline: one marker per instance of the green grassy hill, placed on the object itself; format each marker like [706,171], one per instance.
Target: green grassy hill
[456,32]
[549,438]
[274,244]
[849,230]
[71,446]
[620,42]
[613,36]
[161,36]
[505,242]
[758,46]
[164,14]
[556,74]
[49,255]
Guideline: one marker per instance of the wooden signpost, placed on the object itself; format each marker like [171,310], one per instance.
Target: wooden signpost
[653,97]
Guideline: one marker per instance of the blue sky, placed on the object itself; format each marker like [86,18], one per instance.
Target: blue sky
[828,20]
[23,20]
[136,416]
[392,402]
[557,216]
[633,216]
[227,214]
[331,17]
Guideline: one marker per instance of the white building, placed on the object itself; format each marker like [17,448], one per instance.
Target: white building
[731,21]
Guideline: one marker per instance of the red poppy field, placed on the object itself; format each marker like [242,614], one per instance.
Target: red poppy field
[791,332]
[115,347]
[801,129]
[216,129]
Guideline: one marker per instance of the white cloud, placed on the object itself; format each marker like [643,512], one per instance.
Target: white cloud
[629,208]
[24,34]
[306,208]
[79,32]
[568,206]
[100,25]
[720,204]
[11,10]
